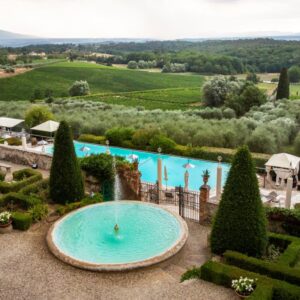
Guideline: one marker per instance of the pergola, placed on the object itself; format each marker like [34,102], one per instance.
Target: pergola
[7,124]
[49,127]
[284,165]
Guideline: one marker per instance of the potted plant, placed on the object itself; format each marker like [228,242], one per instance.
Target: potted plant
[243,286]
[5,222]
[205,176]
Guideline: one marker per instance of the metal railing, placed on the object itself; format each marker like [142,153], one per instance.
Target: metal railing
[186,203]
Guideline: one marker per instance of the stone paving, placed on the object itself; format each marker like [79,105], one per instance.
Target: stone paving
[30,271]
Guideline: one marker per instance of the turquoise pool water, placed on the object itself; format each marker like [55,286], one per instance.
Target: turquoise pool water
[88,234]
[148,165]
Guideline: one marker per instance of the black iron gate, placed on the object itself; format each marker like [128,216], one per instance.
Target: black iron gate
[186,203]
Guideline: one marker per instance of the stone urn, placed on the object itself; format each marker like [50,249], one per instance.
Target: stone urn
[7,227]
[205,176]
[5,222]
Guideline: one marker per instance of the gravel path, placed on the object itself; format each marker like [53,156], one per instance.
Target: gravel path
[30,271]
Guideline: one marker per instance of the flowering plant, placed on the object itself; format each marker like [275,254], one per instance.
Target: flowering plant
[5,217]
[244,285]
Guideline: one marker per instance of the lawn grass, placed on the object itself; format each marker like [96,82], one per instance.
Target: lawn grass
[60,76]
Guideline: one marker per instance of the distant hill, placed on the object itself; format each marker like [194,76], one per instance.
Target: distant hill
[6,35]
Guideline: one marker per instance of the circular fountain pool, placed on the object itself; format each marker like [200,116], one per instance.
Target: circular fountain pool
[146,234]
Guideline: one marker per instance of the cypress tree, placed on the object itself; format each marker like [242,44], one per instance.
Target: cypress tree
[240,223]
[283,90]
[66,182]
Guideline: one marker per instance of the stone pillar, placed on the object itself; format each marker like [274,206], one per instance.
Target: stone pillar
[159,177]
[204,197]
[219,182]
[24,143]
[289,190]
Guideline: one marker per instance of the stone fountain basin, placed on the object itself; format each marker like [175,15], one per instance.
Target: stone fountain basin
[85,238]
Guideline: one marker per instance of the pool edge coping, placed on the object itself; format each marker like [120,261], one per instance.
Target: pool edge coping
[120,267]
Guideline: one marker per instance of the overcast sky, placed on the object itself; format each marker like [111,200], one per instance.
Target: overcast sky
[162,19]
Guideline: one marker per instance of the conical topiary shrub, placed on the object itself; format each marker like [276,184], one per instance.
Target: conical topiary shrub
[283,89]
[240,223]
[66,182]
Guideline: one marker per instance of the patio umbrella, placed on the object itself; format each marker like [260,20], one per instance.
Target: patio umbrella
[84,149]
[188,165]
[42,142]
[186,180]
[166,175]
[133,156]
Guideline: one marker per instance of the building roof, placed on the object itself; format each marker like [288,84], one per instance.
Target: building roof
[10,122]
[284,160]
[48,126]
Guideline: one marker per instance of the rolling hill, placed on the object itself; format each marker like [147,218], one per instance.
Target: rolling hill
[103,80]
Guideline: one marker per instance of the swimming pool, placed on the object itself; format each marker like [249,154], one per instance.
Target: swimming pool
[148,165]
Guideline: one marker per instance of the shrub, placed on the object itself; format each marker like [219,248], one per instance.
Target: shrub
[99,166]
[253,78]
[240,222]
[270,269]
[132,65]
[266,289]
[297,144]
[262,140]
[283,90]
[117,135]
[79,88]
[36,187]
[287,220]
[37,114]
[217,90]
[294,74]
[24,177]
[2,176]
[38,212]
[66,182]
[97,198]
[141,138]
[14,141]
[19,200]
[21,221]
[90,138]
[160,141]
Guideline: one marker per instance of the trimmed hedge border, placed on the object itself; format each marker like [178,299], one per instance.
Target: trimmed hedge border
[24,177]
[206,153]
[267,288]
[24,201]
[282,270]
[35,187]
[64,209]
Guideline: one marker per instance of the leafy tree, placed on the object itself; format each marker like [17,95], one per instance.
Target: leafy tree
[66,182]
[297,144]
[118,135]
[37,114]
[249,96]
[240,223]
[132,65]
[253,78]
[79,88]
[283,90]
[294,74]
[167,145]
[37,94]
[217,91]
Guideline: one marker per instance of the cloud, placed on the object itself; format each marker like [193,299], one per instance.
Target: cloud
[148,18]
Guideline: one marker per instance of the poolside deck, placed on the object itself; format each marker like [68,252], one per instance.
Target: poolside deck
[30,271]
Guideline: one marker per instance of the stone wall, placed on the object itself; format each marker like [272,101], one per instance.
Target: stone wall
[132,177]
[26,157]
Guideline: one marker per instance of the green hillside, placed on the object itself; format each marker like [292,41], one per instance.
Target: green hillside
[59,77]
